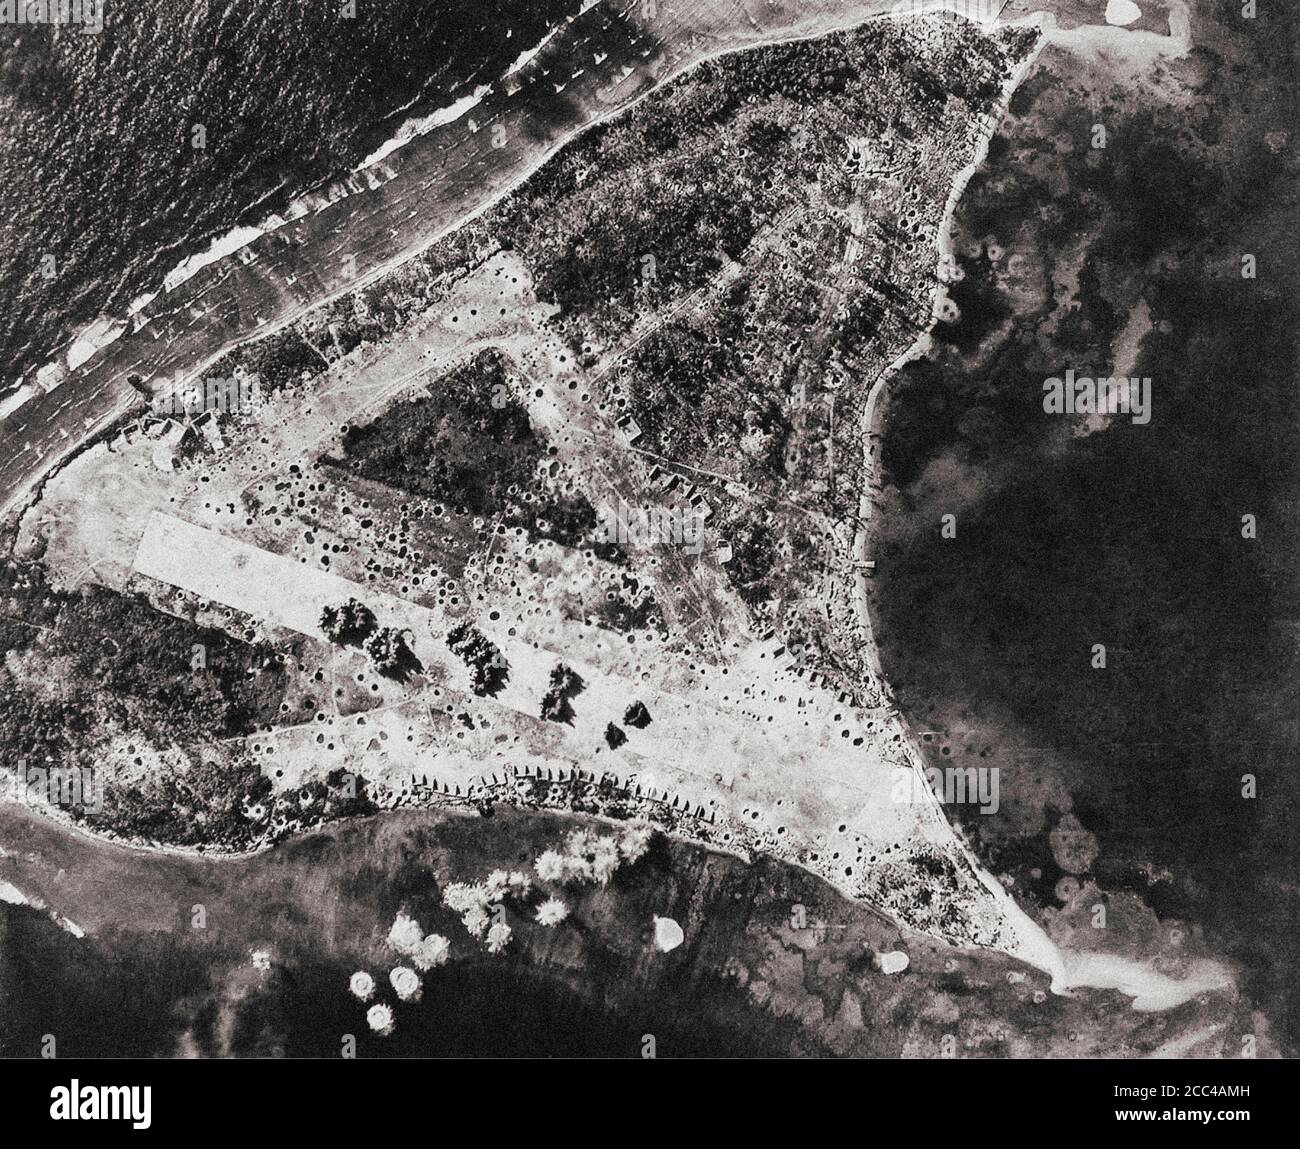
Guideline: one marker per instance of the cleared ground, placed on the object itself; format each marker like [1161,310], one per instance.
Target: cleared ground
[261,534]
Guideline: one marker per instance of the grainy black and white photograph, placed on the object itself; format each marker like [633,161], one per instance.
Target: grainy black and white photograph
[650,529]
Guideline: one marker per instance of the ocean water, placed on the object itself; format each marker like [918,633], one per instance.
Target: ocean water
[127,151]
[124,970]
[1161,784]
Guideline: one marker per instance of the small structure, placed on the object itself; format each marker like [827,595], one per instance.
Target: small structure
[207,424]
[171,438]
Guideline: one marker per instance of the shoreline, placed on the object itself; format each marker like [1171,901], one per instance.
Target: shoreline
[18,500]
[1070,969]
[1032,944]
[174,258]
[1021,946]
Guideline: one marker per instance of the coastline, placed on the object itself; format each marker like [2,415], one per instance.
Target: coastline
[1024,943]
[663,69]
[1150,989]
[1032,944]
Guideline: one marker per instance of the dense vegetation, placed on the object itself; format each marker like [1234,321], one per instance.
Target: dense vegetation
[469,444]
[489,671]
[690,178]
[106,657]
[735,183]
[565,685]
[348,624]
[88,666]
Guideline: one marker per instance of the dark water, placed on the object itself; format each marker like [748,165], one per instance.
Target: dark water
[97,131]
[147,983]
[148,997]
[146,980]
[1131,537]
